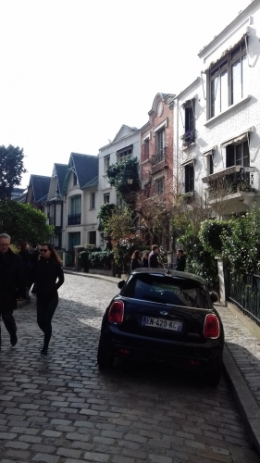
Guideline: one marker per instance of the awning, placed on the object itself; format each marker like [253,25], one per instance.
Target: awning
[222,173]
[188,161]
[209,151]
[237,138]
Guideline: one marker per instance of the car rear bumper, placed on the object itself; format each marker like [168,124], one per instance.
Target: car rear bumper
[204,357]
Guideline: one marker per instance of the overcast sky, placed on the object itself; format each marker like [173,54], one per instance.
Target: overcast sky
[73,71]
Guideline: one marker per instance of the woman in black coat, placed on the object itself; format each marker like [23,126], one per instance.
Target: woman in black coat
[145,259]
[47,278]
[135,260]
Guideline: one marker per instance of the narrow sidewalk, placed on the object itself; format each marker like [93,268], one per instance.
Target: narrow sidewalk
[242,366]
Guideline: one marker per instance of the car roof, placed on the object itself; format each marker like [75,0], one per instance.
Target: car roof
[168,273]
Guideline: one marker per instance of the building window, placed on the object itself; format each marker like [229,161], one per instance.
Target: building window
[75,211]
[228,80]
[189,128]
[124,153]
[52,214]
[160,140]
[146,149]
[159,186]
[75,179]
[210,165]
[106,162]
[106,198]
[75,205]
[55,241]
[92,237]
[92,200]
[58,215]
[237,155]
[189,178]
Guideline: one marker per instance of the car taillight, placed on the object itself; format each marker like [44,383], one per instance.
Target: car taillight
[211,327]
[116,312]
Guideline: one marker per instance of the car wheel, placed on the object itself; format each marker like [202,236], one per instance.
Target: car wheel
[213,378]
[104,360]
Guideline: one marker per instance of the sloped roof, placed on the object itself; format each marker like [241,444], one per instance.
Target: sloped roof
[40,187]
[16,192]
[124,131]
[159,96]
[92,183]
[21,198]
[61,171]
[86,167]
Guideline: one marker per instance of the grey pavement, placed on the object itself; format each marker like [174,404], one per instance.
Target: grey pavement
[242,364]
[62,409]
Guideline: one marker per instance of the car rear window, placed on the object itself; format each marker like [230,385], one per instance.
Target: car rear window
[169,290]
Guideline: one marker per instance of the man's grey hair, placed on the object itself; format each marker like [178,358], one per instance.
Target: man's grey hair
[4,235]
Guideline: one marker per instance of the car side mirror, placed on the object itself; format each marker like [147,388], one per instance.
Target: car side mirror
[121,284]
[213,297]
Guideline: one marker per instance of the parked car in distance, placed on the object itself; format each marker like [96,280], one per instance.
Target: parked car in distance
[167,317]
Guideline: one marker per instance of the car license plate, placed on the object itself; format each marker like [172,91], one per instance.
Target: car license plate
[173,325]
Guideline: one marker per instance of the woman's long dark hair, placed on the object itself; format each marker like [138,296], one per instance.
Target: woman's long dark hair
[54,257]
[136,255]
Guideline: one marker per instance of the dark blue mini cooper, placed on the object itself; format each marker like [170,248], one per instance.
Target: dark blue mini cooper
[166,317]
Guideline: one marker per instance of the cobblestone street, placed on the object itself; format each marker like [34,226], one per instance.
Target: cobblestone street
[62,409]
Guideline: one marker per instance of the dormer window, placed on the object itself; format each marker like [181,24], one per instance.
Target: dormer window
[75,179]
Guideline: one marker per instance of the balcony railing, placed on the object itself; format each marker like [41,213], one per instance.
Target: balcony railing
[159,156]
[188,136]
[230,181]
[74,219]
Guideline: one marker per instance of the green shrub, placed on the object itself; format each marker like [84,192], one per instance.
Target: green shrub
[95,258]
[210,234]
[242,247]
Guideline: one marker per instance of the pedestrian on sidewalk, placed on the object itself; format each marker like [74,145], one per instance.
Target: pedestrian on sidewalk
[47,278]
[26,257]
[145,259]
[135,260]
[12,286]
[181,261]
[153,257]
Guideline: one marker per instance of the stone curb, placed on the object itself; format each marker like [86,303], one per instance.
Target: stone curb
[244,399]
[93,275]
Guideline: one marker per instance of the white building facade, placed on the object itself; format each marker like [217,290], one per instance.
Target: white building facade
[217,120]
[80,208]
[125,145]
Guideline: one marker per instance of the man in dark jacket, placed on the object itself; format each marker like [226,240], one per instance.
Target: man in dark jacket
[12,286]
[153,257]
[181,261]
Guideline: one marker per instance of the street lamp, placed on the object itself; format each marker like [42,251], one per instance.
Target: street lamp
[130,181]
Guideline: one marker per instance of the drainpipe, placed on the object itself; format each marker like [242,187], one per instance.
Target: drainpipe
[177,148]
